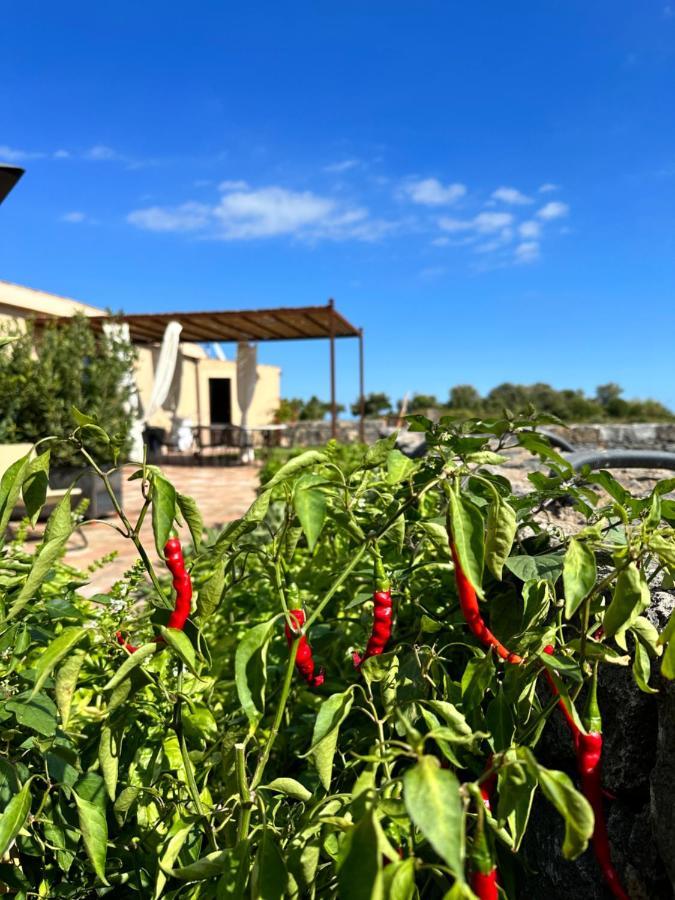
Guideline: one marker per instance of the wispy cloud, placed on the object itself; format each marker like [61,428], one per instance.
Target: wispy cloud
[15,155]
[529,229]
[553,210]
[526,252]
[74,217]
[548,188]
[431,192]
[244,213]
[483,223]
[512,196]
[344,165]
[103,153]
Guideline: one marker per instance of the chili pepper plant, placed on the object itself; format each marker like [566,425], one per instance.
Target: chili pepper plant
[353,706]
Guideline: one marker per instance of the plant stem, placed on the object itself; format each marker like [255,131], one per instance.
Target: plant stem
[276,725]
[131,532]
[244,791]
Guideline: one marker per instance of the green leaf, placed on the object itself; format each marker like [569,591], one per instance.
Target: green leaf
[309,503]
[465,524]
[433,801]
[295,465]
[454,720]
[38,713]
[517,785]
[65,684]
[546,567]
[211,592]
[10,487]
[399,880]
[182,646]
[290,787]
[234,530]
[331,715]
[631,597]
[269,876]
[579,574]
[193,517]
[13,817]
[177,836]
[250,671]
[399,466]
[360,875]
[61,646]
[81,418]
[378,452]
[35,485]
[207,867]
[163,495]
[94,828]
[109,758]
[132,662]
[668,663]
[572,806]
[642,669]
[501,531]
[59,525]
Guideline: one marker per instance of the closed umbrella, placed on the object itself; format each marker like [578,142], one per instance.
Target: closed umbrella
[247,376]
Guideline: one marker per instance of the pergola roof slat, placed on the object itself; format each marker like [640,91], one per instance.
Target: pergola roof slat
[275,324]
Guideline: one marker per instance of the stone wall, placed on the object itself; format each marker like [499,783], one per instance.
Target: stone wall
[636,436]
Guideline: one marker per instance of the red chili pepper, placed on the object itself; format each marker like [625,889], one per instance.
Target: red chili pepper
[484,884]
[588,746]
[182,585]
[304,660]
[468,603]
[382,615]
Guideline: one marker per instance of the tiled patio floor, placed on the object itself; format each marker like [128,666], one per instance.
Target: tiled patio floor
[222,494]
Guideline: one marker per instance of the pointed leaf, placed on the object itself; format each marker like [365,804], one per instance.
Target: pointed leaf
[59,648]
[163,495]
[13,816]
[250,668]
[468,535]
[579,574]
[331,715]
[94,828]
[501,530]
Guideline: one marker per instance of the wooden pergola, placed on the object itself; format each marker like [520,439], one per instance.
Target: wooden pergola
[295,323]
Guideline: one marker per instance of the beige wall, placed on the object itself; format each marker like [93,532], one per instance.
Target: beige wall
[189,394]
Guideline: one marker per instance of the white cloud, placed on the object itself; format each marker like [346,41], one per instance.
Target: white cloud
[511,195]
[430,192]
[529,229]
[553,210]
[483,223]
[249,214]
[62,154]
[101,153]
[186,217]
[548,188]
[232,185]
[74,217]
[527,251]
[343,165]
[15,155]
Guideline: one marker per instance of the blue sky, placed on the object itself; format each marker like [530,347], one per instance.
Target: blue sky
[487,188]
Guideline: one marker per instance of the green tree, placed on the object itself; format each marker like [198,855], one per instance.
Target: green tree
[374,405]
[43,375]
[465,396]
[606,393]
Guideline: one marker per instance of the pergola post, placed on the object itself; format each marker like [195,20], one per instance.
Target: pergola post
[333,404]
[362,398]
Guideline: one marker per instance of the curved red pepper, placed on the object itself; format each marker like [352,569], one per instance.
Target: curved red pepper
[382,617]
[304,659]
[468,603]
[484,884]
[182,584]
[588,746]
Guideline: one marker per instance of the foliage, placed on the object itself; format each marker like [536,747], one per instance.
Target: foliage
[570,405]
[43,375]
[297,410]
[374,405]
[344,455]
[202,767]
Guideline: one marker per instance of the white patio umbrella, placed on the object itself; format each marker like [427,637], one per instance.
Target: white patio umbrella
[166,368]
[247,376]
[119,331]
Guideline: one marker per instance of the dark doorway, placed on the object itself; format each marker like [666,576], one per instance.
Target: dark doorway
[220,401]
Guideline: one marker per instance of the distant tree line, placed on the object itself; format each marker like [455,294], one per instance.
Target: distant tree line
[464,400]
